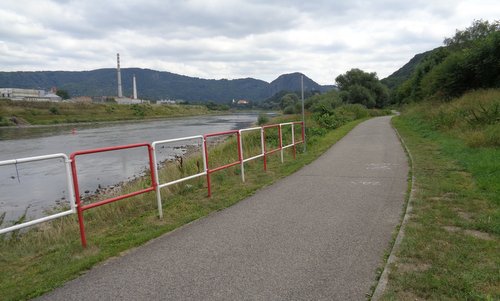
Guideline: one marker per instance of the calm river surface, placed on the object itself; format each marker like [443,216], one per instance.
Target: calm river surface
[38,187]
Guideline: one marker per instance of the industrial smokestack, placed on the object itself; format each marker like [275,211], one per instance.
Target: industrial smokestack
[135,87]
[119,76]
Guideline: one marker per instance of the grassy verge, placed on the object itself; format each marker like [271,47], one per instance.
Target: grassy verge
[45,113]
[451,247]
[47,256]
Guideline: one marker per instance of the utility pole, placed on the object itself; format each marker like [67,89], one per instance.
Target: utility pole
[303,116]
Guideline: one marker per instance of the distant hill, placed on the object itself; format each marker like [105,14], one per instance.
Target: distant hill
[292,82]
[155,85]
[404,73]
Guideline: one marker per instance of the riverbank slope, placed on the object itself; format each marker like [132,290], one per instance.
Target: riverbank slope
[23,113]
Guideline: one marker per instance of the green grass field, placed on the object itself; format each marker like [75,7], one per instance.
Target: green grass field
[451,247]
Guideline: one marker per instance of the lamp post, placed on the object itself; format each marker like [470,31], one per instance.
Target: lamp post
[303,116]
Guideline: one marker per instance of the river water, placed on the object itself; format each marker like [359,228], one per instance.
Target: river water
[37,188]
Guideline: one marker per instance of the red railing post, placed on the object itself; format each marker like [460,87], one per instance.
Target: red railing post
[78,201]
[207,168]
[152,165]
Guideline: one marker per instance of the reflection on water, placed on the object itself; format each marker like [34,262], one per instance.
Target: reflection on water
[37,187]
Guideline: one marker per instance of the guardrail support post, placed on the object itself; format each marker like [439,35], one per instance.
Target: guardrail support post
[206,166]
[78,201]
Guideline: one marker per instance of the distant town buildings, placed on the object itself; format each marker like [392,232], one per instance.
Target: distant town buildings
[166,101]
[241,102]
[82,99]
[28,94]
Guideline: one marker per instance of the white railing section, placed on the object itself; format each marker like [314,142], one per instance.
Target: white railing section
[254,157]
[283,147]
[70,191]
[158,185]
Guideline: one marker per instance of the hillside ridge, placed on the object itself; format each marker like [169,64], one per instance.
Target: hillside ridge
[154,85]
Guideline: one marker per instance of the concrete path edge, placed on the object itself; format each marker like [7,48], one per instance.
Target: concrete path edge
[384,277]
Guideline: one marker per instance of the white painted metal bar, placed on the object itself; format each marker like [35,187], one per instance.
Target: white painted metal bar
[158,185]
[70,193]
[253,158]
[243,160]
[283,147]
[181,180]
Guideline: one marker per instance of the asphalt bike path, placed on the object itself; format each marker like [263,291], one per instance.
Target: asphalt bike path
[319,234]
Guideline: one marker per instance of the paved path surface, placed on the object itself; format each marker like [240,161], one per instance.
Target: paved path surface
[319,234]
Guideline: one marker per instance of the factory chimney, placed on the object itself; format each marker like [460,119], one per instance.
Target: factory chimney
[135,87]
[119,76]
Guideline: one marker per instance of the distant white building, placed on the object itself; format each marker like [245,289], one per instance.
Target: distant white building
[129,101]
[166,102]
[28,95]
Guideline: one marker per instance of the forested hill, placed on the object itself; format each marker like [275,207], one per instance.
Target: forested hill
[155,85]
[404,73]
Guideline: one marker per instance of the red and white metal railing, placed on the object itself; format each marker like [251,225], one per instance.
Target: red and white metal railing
[72,173]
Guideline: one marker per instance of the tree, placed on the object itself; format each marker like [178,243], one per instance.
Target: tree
[63,94]
[357,86]
[478,30]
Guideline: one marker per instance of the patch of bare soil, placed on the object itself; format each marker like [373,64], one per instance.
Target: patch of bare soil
[413,267]
[479,234]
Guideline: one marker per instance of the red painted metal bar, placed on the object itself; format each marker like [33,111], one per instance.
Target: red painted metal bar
[221,133]
[273,151]
[209,171]
[206,166]
[224,166]
[121,197]
[78,202]
[80,207]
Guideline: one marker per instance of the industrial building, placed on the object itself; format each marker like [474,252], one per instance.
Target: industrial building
[28,94]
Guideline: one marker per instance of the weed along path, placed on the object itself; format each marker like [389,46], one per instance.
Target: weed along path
[319,234]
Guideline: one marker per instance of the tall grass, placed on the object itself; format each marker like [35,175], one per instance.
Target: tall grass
[474,117]
[451,247]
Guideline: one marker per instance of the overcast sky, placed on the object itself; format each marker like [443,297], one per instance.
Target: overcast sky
[230,38]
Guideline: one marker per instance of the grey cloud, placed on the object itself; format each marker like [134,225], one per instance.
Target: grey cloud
[237,38]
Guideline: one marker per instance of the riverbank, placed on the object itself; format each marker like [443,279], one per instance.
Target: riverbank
[22,113]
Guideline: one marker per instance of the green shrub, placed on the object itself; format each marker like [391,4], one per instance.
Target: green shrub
[332,120]
[54,110]
[262,119]
[289,110]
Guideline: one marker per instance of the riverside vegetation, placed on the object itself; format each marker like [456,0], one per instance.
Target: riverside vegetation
[451,247]
[31,260]
[450,122]
[46,113]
